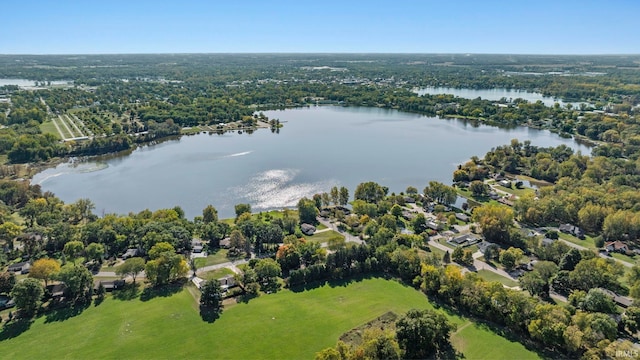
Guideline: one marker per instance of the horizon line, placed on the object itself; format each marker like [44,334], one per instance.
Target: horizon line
[316,53]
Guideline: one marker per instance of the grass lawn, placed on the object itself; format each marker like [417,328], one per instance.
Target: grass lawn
[191,130]
[624,258]
[515,191]
[275,214]
[323,236]
[47,127]
[438,252]
[218,257]
[491,276]
[216,274]
[587,242]
[285,325]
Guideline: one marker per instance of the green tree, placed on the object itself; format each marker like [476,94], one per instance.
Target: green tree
[548,324]
[237,242]
[441,193]
[596,272]
[7,282]
[495,221]
[8,232]
[396,210]
[570,259]
[27,295]
[131,267]
[510,257]
[478,188]
[165,265]
[423,333]
[329,354]
[95,252]
[241,209]
[211,295]
[458,254]
[344,196]
[209,215]
[307,211]
[597,300]
[77,280]
[73,249]
[467,258]
[370,192]
[335,195]
[268,271]
[446,258]
[419,223]
[534,284]
[377,344]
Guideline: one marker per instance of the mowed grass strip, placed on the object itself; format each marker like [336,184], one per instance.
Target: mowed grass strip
[491,276]
[285,325]
[323,236]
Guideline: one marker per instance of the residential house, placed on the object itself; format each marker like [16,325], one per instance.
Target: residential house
[227,281]
[484,245]
[571,229]
[408,215]
[130,253]
[616,246]
[111,285]
[464,240]
[196,246]
[623,301]
[56,290]
[546,241]
[307,229]
[225,243]
[433,225]
[21,267]
[462,217]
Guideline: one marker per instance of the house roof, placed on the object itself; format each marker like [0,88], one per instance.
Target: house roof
[56,289]
[617,245]
[19,266]
[483,245]
[462,217]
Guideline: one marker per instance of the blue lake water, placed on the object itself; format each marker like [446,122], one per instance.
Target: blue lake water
[318,147]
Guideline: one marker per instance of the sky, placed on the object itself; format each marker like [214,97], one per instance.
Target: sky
[327,26]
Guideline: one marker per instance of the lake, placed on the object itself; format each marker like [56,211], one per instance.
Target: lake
[24,83]
[318,147]
[494,94]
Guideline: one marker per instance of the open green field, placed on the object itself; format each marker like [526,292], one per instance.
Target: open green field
[491,276]
[285,325]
